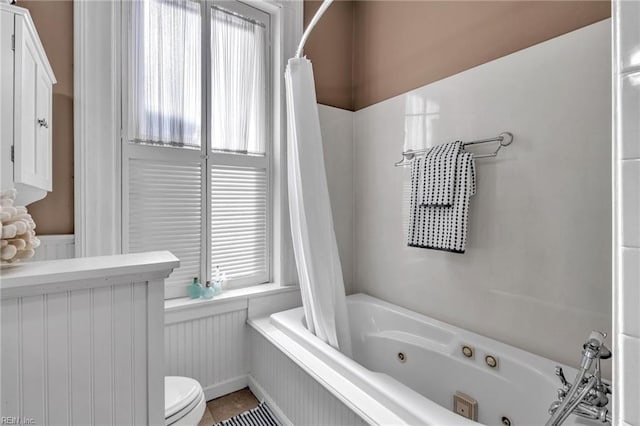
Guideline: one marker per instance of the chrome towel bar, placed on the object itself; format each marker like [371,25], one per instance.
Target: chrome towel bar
[504,139]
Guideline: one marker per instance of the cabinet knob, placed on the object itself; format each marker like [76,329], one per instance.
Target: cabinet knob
[43,123]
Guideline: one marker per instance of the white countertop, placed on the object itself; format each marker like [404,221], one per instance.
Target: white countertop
[26,278]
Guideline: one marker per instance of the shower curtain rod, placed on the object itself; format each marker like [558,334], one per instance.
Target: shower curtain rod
[323,7]
[504,138]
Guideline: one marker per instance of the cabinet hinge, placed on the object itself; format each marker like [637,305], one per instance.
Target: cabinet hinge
[13,155]
[13,42]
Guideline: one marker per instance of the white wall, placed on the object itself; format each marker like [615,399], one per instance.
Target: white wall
[53,247]
[537,272]
[627,205]
[337,139]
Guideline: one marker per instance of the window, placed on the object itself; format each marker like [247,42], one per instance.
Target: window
[165,85]
[196,151]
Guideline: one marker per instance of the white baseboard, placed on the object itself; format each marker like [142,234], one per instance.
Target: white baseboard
[219,389]
[262,395]
[54,247]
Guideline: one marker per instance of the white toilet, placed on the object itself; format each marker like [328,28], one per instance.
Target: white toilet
[184,401]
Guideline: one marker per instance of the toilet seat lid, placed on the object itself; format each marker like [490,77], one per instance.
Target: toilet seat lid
[179,392]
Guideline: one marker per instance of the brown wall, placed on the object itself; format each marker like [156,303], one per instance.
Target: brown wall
[330,48]
[363,52]
[400,45]
[54,22]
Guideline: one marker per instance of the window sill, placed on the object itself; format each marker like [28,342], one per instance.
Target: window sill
[227,297]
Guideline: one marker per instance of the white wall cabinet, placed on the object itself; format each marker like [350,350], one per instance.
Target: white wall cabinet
[27,80]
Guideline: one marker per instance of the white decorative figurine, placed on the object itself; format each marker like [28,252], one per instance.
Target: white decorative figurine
[17,230]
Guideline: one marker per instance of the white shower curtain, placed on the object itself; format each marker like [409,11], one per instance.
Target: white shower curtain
[314,240]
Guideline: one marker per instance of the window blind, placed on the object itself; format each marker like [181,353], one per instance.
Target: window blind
[165,213]
[239,232]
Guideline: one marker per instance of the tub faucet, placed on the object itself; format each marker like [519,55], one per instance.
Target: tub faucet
[588,395]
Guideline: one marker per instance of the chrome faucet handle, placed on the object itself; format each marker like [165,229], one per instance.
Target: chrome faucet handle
[562,394]
[605,353]
[594,349]
[560,374]
[587,396]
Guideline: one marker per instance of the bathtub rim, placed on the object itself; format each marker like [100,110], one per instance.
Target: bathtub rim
[355,398]
[538,362]
[413,406]
[351,382]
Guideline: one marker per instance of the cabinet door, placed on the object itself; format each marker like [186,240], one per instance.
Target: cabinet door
[32,129]
[43,148]
[6,99]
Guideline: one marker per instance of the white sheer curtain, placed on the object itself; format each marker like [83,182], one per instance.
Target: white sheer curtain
[165,72]
[238,79]
[314,239]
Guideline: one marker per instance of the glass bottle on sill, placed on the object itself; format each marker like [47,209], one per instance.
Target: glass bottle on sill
[218,280]
[208,291]
[195,289]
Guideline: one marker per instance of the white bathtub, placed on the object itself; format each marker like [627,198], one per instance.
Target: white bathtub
[420,390]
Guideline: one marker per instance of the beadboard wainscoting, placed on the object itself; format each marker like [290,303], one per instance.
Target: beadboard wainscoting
[96,375]
[80,339]
[54,247]
[209,340]
[294,396]
[211,348]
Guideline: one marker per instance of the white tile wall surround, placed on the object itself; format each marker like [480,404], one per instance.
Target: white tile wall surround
[268,304]
[626,163]
[630,115]
[539,243]
[337,139]
[53,247]
[630,412]
[630,294]
[630,203]
[629,37]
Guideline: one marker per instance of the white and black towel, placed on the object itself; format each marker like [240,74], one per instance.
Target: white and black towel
[442,227]
[439,177]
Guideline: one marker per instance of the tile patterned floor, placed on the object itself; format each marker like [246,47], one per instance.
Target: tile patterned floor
[227,406]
